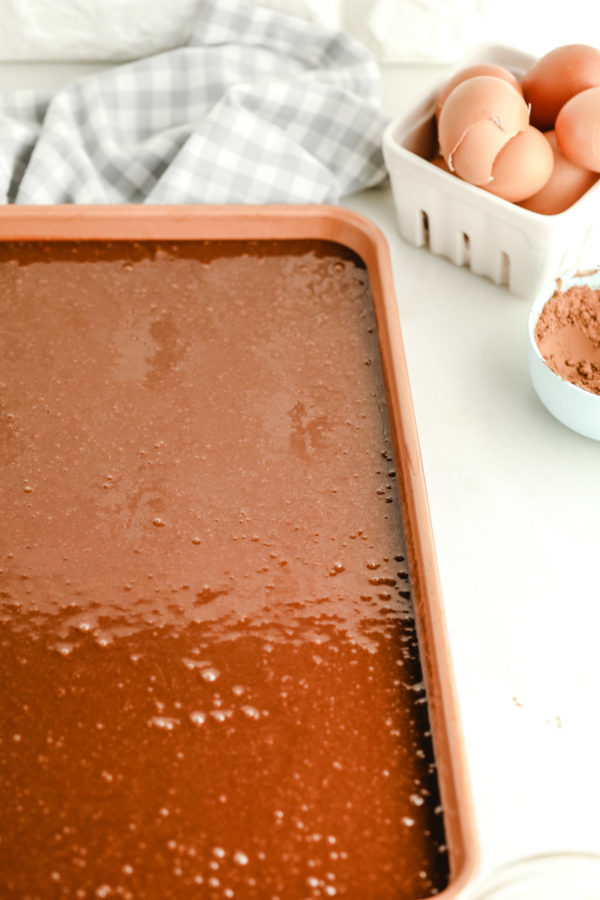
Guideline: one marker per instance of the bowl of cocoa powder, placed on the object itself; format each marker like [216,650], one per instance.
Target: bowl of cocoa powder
[564,350]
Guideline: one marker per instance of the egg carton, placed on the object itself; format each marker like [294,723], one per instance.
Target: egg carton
[471,227]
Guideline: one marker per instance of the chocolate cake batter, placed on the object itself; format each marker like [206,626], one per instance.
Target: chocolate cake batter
[210,676]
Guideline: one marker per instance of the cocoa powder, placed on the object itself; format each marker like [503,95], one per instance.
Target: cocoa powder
[568,335]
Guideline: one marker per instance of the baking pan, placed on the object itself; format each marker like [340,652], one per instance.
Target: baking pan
[216,526]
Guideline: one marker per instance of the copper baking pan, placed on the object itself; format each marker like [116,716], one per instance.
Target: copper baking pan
[227,226]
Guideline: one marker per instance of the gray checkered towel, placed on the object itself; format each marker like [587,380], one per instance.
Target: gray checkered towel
[258,107]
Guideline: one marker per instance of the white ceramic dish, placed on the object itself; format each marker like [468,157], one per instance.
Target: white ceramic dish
[470,226]
[575,407]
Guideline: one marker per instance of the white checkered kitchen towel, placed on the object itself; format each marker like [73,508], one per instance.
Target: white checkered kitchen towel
[259,107]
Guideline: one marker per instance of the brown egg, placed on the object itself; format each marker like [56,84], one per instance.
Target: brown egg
[483,98]
[566,184]
[471,72]
[440,162]
[474,156]
[577,129]
[522,166]
[557,77]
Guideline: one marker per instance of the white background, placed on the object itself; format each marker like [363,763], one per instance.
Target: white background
[398,31]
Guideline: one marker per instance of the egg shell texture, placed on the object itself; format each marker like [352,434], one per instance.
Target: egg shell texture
[481,97]
[471,72]
[567,183]
[475,154]
[522,166]
[577,129]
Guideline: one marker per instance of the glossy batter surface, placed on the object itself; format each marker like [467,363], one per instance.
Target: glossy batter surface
[210,675]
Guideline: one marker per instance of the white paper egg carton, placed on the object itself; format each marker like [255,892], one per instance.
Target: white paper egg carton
[470,226]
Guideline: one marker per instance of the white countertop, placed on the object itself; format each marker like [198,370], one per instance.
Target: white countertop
[513,498]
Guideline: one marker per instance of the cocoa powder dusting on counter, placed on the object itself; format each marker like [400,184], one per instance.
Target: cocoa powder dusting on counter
[568,335]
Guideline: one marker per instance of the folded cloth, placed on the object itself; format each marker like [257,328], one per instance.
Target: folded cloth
[259,107]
